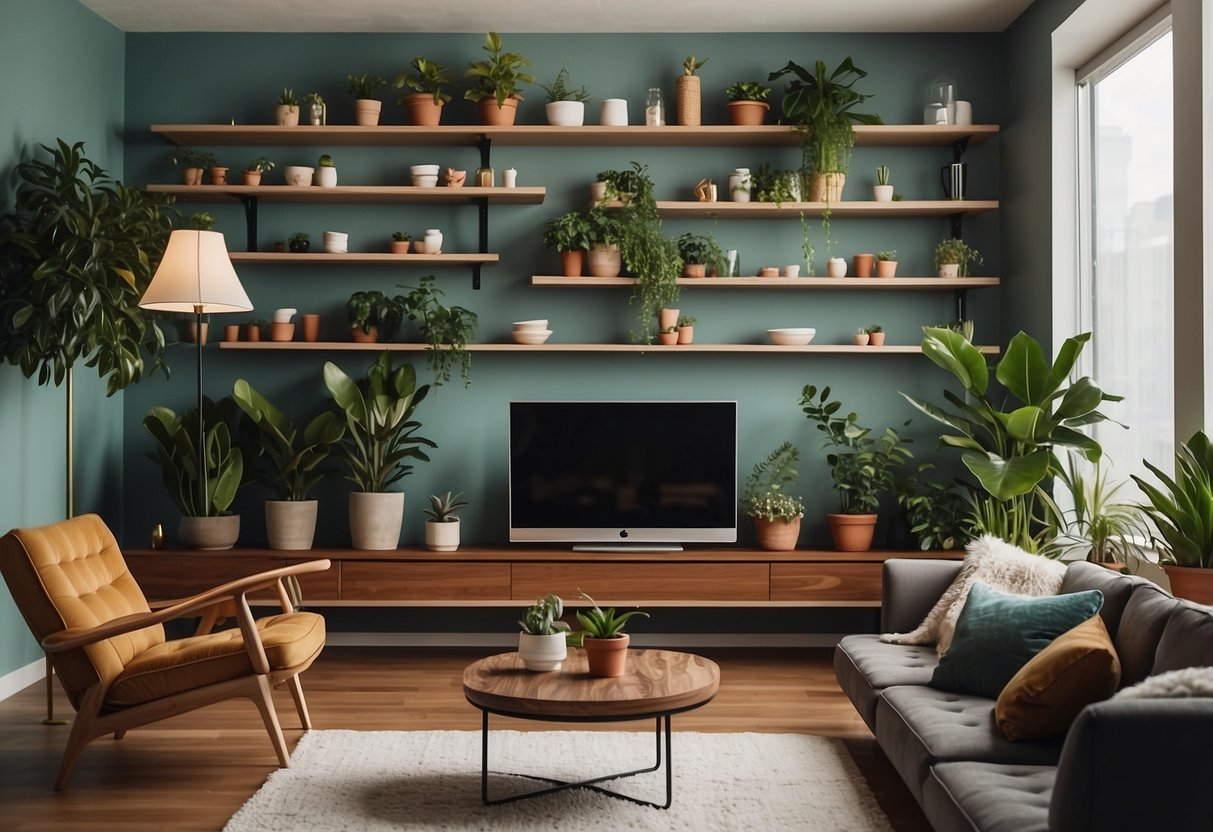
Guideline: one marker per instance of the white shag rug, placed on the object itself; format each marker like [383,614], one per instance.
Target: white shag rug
[430,780]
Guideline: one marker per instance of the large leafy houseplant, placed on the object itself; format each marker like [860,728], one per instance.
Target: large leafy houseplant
[1010,448]
[1182,510]
[446,330]
[180,460]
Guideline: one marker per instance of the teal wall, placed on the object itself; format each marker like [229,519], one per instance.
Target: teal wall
[62,68]
[217,78]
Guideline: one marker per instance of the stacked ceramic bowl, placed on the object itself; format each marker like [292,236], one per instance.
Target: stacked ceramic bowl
[336,242]
[794,337]
[531,332]
[424,176]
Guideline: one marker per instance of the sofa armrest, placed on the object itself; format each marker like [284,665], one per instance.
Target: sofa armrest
[1133,764]
[910,587]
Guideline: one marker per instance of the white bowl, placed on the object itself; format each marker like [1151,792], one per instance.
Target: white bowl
[426,180]
[298,175]
[537,324]
[425,170]
[532,336]
[792,337]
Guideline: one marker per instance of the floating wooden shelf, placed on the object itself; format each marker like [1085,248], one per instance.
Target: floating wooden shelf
[845,284]
[808,349]
[398,194]
[846,208]
[382,258]
[709,135]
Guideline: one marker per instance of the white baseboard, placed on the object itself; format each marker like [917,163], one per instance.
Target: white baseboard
[21,678]
[684,640]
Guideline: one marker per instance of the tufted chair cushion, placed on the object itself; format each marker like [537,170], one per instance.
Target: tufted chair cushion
[992,797]
[72,574]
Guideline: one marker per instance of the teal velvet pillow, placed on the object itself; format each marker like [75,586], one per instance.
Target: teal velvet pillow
[997,633]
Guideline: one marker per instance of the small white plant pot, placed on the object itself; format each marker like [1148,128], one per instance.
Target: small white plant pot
[565,113]
[836,267]
[542,653]
[882,193]
[441,537]
[949,270]
[326,176]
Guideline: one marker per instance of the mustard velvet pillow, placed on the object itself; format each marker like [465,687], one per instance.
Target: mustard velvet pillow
[1046,694]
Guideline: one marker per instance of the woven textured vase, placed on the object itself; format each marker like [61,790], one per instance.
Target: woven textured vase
[688,100]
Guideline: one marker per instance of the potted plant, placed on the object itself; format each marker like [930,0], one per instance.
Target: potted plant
[256,169]
[192,163]
[882,191]
[952,257]
[765,498]
[570,234]
[290,518]
[206,522]
[668,336]
[886,263]
[425,103]
[286,114]
[935,514]
[748,103]
[699,253]
[373,315]
[202,220]
[861,337]
[686,329]
[767,185]
[836,267]
[861,467]
[820,106]
[316,109]
[381,437]
[446,330]
[326,172]
[299,242]
[218,174]
[1101,527]
[252,329]
[400,242]
[442,529]
[648,255]
[1011,447]
[1181,511]
[875,335]
[688,92]
[543,640]
[603,258]
[365,89]
[603,638]
[496,81]
[566,104]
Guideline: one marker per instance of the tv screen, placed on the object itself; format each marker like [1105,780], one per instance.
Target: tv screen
[623,472]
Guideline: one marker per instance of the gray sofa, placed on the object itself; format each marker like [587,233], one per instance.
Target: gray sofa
[1128,764]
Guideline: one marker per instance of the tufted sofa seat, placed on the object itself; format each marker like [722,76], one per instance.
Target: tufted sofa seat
[967,776]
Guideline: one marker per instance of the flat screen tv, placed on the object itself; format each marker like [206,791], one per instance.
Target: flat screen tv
[612,475]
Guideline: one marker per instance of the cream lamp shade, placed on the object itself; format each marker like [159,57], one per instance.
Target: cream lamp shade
[195,275]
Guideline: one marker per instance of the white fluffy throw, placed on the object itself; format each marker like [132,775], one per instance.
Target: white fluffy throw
[997,564]
[1174,684]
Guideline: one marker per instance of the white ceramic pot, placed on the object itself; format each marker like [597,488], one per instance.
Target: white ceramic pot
[290,524]
[209,532]
[882,193]
[740,185]
[614,112]
[604,261]
[376,519]
[837,267]
[326,176]
[298,175]
[442,537]
[542,653]
[949,270]
[597,191]
[566,113]
[433,241]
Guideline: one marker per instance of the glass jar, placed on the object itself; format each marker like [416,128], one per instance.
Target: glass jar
[941,95]
[484,177]
[654,112]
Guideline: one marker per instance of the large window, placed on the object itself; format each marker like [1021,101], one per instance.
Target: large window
[1126,247]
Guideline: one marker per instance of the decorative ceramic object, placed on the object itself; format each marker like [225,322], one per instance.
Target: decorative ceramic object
[705,191]
[455,178]
[614,112]
[740,184]
[791,270]
[509,178]
[863,264]
[325,176]
[604,261]
[792,336]
[565,113]
[366,112]
[298,175]
[311,328]
[949,270]
[542,654]
[837,267]
[442,536]
[433,241]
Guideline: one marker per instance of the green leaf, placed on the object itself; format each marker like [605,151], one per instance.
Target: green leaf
[953,353]
[1025,424]
[1024,371]
[1007,478]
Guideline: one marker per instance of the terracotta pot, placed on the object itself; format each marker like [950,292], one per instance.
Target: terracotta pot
[876,339]
[688,100]
[862,263]
[495,116]
[191,176]
[252,177]
[376,519]
[286,115]
[686,334]
[777,535]
[442,537]
[282,332]
[311,327]
[886,268]
[748,113]
[1191,582]
[769,271]
[604,261]
[422,110]
[366,112]
[400,246]
[252,332]
[209,532]
[368,337]
[861,339]
[667,318]
[290,524]
[572,262]
[218,176]
[826,187]
[607,656]
[668,339]
[192,328]
[694,270]
[542,654]
[231,332]
[852,532]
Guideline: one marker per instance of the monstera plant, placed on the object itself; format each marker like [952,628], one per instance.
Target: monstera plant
[1010,449]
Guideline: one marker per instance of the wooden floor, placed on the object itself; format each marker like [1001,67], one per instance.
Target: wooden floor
[193,771]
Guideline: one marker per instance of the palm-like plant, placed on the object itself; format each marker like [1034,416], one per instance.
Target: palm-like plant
[1183,513]
[1101,527]
[600,623]
[821,105]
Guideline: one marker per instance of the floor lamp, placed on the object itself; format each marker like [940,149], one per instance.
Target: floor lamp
[196,276]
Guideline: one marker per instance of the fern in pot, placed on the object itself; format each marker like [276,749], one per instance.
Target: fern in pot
[543,640]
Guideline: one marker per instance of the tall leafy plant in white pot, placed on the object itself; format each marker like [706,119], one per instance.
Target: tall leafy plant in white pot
[380,440]
[290,520]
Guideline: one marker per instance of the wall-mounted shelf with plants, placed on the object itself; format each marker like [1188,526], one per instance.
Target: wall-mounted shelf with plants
[394,194]
[845,349]
[365,258]
[832,284]
[838,210]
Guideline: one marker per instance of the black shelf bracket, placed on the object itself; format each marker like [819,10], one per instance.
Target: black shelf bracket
[482,209]
[250,220]
[957,224]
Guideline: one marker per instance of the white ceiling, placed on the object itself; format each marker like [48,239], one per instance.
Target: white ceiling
[559,15]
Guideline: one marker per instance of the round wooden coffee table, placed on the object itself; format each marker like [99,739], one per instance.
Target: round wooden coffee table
[657,684]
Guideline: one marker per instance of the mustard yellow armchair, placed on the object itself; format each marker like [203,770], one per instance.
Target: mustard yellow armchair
[108,648]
